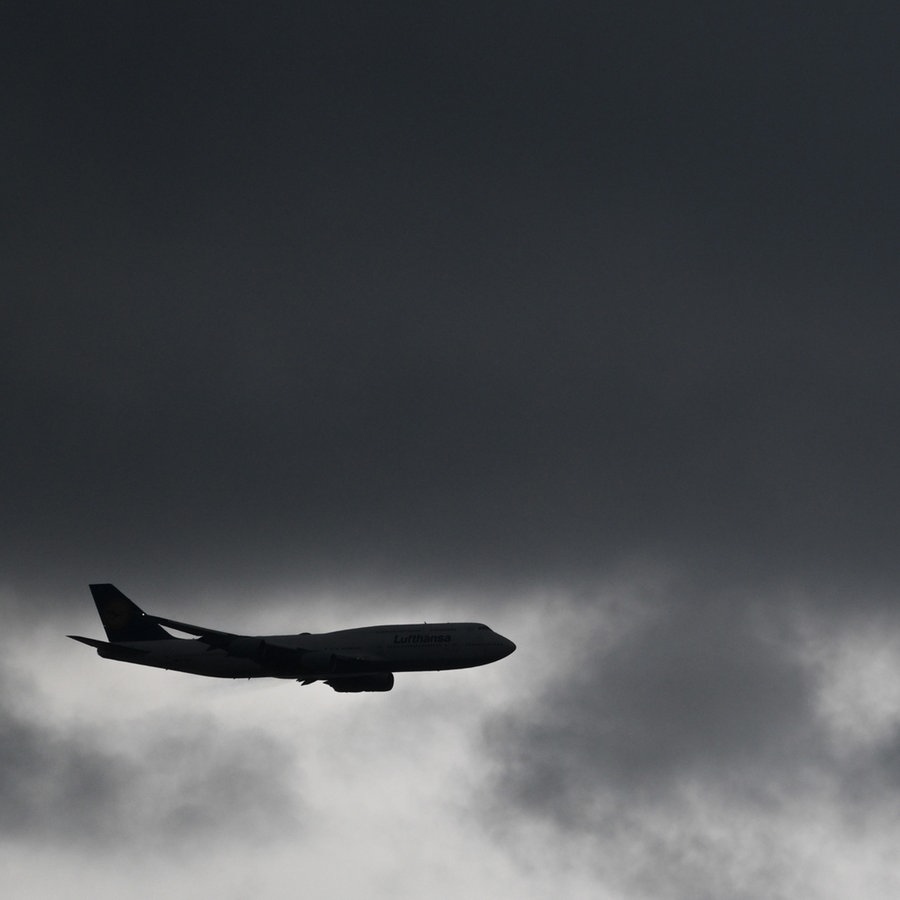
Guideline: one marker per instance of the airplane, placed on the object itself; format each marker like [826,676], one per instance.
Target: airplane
[349,661]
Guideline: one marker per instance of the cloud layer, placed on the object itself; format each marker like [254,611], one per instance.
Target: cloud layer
[169,783]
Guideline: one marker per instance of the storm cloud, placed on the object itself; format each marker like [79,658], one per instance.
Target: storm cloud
[168,783]
[692,748]
[579,321]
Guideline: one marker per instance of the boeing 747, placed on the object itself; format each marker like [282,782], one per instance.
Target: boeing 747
[349,661]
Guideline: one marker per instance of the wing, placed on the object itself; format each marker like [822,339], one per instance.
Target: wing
[276,658]
[219,640]
[358,662]
[293,661]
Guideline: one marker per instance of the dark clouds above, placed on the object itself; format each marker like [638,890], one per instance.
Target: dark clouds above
[459,291]
[479,301]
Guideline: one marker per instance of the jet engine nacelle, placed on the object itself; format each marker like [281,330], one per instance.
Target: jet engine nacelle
[354,684]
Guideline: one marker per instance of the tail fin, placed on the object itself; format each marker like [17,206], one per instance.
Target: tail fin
[122,619]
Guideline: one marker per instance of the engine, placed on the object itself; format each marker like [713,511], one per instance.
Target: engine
[354,684]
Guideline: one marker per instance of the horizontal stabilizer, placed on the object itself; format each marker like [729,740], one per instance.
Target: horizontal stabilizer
[89,641]
[111,651]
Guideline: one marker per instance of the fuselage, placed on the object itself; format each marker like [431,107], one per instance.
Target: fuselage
[358,651]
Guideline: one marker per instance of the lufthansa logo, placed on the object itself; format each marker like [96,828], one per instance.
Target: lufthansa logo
[421,638]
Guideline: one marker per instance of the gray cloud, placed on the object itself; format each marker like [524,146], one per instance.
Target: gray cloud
[705,689]
[172,784]
[692,753]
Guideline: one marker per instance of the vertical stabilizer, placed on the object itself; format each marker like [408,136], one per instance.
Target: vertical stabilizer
[122,619]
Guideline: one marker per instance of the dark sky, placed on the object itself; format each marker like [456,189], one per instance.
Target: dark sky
[498,299]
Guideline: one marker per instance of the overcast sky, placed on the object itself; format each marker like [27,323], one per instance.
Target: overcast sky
[578,320]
